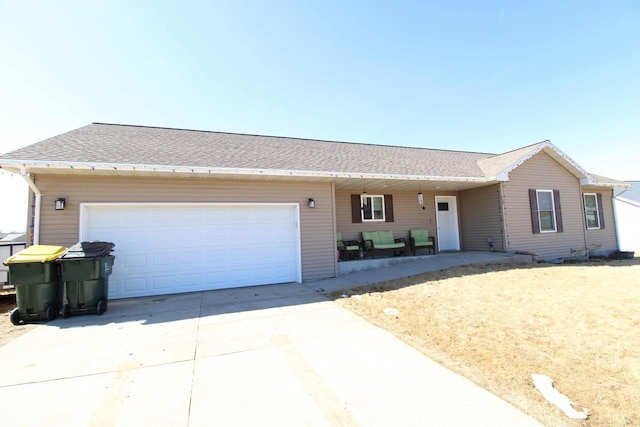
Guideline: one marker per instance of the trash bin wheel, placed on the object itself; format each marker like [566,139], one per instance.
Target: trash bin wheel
[101,307]
[51,312]
[66,311]
[15,317]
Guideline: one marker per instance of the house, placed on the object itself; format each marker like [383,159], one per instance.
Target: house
[627,209]
[192,210]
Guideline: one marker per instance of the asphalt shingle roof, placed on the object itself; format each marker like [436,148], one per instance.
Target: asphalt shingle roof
[493,165]
[126,145]
[139,145]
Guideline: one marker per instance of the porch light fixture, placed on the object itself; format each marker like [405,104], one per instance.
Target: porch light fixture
[60,202]
[311,203]
[364,195]
[420,198]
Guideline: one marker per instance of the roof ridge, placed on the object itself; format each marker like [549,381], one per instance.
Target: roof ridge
[295,138]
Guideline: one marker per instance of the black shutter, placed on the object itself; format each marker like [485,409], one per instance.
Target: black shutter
[356,209]
[556,202]
[388,208]
[600,210]
[533,201]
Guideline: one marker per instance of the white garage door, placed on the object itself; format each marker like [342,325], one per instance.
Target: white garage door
[164,249]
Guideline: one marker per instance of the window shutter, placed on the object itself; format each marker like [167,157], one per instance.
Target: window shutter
[533,201]
[556,202]
[356,209]
[600,210]
[388,208]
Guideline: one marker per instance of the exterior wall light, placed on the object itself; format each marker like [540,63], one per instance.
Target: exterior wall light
[311,203]
[420,198]
[60,202]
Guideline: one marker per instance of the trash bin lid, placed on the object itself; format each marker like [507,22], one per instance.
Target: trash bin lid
[37,253]
[89,250]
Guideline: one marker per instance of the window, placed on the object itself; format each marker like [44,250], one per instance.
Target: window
[377,208]
[593,210]
[546,214]
[372,208]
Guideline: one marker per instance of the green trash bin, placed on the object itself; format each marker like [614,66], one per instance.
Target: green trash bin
[34,273]
[85,271]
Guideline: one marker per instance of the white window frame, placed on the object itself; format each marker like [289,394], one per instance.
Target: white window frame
[370,201]
[597,211]
[553,212]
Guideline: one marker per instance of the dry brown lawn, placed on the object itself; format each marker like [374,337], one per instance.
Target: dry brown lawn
[498,324]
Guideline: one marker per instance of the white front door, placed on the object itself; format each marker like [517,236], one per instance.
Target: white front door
[447,221]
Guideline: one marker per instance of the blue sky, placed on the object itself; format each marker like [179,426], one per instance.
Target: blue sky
[486,76]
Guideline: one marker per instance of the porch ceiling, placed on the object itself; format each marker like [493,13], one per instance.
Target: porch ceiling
[359,184]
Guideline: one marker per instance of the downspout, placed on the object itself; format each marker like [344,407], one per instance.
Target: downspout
[336,268]
[615,217]
[585,230]
[36,214]
[505,237]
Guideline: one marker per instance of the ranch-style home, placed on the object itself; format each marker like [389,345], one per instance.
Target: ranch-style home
[193,210]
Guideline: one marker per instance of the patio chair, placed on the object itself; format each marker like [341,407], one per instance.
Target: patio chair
[378,241]
[420,239]
[348,249]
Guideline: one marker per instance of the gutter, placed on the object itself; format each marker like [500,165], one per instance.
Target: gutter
[36,214]
[121,167]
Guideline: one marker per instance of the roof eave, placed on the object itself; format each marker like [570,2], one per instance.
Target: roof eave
[37,166]
[594,183]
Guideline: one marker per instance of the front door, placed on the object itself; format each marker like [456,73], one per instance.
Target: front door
[447,222]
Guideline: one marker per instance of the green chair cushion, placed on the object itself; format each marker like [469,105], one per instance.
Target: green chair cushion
[423,243]
[382,239]
[390,246]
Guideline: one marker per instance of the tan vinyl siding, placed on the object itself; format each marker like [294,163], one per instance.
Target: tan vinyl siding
[541,172]
[316,232]
[407,212]
[480,218]
[603,240]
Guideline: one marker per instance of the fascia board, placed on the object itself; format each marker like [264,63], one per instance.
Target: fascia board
[15,165]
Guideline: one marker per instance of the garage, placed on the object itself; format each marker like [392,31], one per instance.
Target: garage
[174,248]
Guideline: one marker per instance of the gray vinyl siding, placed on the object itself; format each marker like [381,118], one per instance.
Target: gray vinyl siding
[603,240]
[316,228]
[480,218]
[541,172]
[407,212]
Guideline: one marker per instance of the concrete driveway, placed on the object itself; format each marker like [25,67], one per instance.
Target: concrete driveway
[272,355]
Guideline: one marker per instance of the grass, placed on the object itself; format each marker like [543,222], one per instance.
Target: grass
[498,324]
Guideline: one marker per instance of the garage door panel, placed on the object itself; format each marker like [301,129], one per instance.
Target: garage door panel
[132,261]
[190,280]
[163,282]
[164,249]
[129,285]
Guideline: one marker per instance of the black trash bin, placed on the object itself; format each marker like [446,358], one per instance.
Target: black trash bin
[34,273]
[84,272]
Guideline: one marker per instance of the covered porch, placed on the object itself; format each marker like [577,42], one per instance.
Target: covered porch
[457,214]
